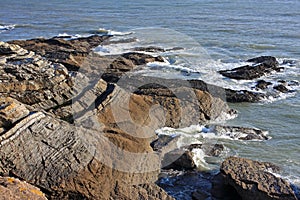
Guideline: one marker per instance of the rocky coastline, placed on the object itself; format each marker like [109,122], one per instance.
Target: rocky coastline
[78,125]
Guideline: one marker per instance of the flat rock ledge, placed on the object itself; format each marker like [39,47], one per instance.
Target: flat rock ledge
[254,180]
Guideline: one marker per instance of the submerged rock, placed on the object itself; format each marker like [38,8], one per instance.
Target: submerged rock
[261,84]
[240,133]
[262,66]
[149,49]
[253,180]
[281,88]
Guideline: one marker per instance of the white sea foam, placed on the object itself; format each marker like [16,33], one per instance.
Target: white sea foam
[6,27]
[113,33]
[193,62]
[199,158]
[167,65]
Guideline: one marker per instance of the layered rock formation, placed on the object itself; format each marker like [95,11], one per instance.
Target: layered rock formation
[78,125]
[70,53]
[64,160]
[75,136]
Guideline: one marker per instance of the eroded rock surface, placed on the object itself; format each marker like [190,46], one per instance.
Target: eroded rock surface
[70,53]
[14,189]
[126,63]
[253,180]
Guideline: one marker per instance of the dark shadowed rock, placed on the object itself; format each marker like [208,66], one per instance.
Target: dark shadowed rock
[234,96]
[281,88]
[213,150]
[14,189]
[149,49]
[156,49]
[261,84]
[262,66]
[143,191]
[253,180]
[221,190]
[179,159]
[270,60]
[183,158]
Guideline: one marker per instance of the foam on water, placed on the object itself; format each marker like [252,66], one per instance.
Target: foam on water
[6,27]
[111,32]
[191,61]
[199,158]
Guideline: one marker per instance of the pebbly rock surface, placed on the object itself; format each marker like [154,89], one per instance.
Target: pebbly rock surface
[262,66]
[14,189]
[253,180]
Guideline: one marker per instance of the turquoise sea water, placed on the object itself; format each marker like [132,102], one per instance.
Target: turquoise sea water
[229,32]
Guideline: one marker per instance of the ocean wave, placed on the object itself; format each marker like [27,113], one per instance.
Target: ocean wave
[193,62]
[166,65]
[196,133]
[6,27]
[103,31]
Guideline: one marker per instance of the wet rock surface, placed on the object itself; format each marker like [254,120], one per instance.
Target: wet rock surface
[262,66]
[253,179]
[240,133]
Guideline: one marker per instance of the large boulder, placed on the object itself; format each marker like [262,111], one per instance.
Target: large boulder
[154,104]
[74,162]
[254,180]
